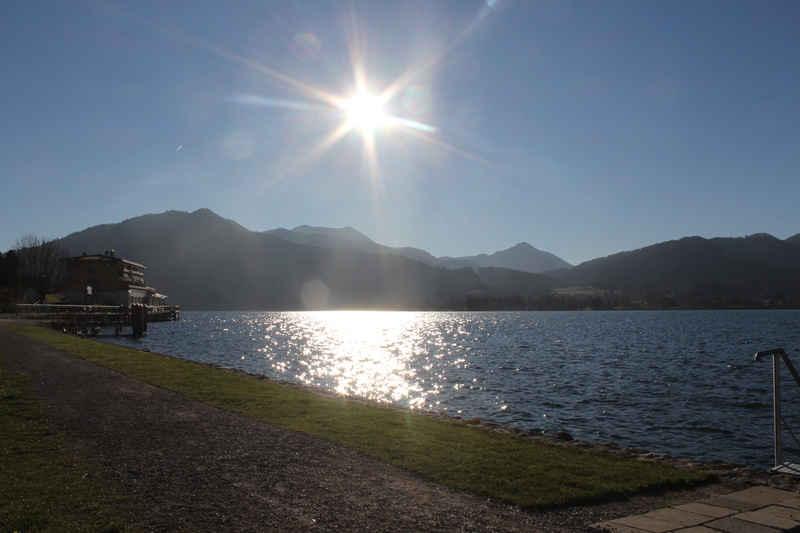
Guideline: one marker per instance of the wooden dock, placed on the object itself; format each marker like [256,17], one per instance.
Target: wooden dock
[90,318]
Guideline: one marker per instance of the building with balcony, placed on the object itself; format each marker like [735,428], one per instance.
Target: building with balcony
[104,279]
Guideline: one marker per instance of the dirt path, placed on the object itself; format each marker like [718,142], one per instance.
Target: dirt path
[199,468]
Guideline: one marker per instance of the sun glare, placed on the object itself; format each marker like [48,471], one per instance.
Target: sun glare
[365,112]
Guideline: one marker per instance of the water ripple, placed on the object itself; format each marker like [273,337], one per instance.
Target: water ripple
[680,382]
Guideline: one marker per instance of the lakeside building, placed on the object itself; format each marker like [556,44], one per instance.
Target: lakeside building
[108,280]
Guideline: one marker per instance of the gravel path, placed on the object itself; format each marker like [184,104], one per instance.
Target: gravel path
[199,468]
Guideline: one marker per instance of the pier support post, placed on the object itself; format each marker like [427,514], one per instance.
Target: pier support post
[139,319]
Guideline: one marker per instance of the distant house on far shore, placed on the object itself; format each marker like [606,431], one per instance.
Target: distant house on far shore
[105,279]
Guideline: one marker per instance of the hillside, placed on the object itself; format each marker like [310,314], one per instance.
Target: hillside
[205,262]
[747,269]
[348,238]
[523,257]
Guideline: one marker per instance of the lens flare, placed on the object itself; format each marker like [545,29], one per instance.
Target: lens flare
[366,112]
[305,47]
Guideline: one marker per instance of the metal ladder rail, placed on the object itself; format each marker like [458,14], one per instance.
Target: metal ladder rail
[776,391]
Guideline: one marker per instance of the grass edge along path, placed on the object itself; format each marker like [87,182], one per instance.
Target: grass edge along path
[45,485]
[530,474]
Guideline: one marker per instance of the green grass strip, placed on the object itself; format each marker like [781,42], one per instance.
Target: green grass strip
[43,487]
[530,474]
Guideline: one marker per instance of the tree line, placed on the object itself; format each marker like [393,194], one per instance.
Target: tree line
[34,266]
[609,300]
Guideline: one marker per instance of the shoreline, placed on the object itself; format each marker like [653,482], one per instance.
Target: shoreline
[174,462]
[720,469]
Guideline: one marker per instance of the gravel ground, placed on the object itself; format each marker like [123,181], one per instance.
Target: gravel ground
[199,468]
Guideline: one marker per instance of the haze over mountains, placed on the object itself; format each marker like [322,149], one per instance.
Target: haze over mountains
[205,262]
[522,257]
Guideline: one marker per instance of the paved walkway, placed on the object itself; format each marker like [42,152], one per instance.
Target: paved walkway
[753,510]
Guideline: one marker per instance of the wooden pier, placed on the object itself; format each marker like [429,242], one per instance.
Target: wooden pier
[90,318]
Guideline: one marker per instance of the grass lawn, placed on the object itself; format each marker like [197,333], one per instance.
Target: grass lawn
[44,485]
[523,472]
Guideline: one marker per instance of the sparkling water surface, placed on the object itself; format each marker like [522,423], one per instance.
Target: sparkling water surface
[677,382]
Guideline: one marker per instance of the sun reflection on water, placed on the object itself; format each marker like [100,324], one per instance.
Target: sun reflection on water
[362,353]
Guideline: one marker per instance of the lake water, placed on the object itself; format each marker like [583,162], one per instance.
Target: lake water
[678,382]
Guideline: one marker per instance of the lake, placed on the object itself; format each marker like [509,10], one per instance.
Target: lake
[677,382]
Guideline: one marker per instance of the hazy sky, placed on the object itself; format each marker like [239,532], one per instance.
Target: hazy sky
[584,128]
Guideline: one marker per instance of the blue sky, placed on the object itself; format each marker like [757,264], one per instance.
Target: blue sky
[584,128]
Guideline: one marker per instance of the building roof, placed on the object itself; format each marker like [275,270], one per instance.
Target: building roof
[108,256]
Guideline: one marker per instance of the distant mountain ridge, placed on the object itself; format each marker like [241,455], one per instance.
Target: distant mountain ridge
[348,238]
[749,268]
[522,257]
[205,262]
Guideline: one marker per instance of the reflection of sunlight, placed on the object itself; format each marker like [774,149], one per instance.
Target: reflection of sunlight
[410,359]
[365,354]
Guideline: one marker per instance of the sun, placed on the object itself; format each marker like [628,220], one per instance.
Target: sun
[365,112]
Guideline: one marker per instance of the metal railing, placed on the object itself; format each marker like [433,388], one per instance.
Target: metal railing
[779,422]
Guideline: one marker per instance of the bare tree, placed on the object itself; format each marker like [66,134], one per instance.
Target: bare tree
[40,263]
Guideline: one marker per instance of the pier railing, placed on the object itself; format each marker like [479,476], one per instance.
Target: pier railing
[55,311]
[61,310]
[92,317]
[779,355]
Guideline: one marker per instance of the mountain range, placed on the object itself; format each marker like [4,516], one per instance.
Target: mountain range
[522,257]
[205,262]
